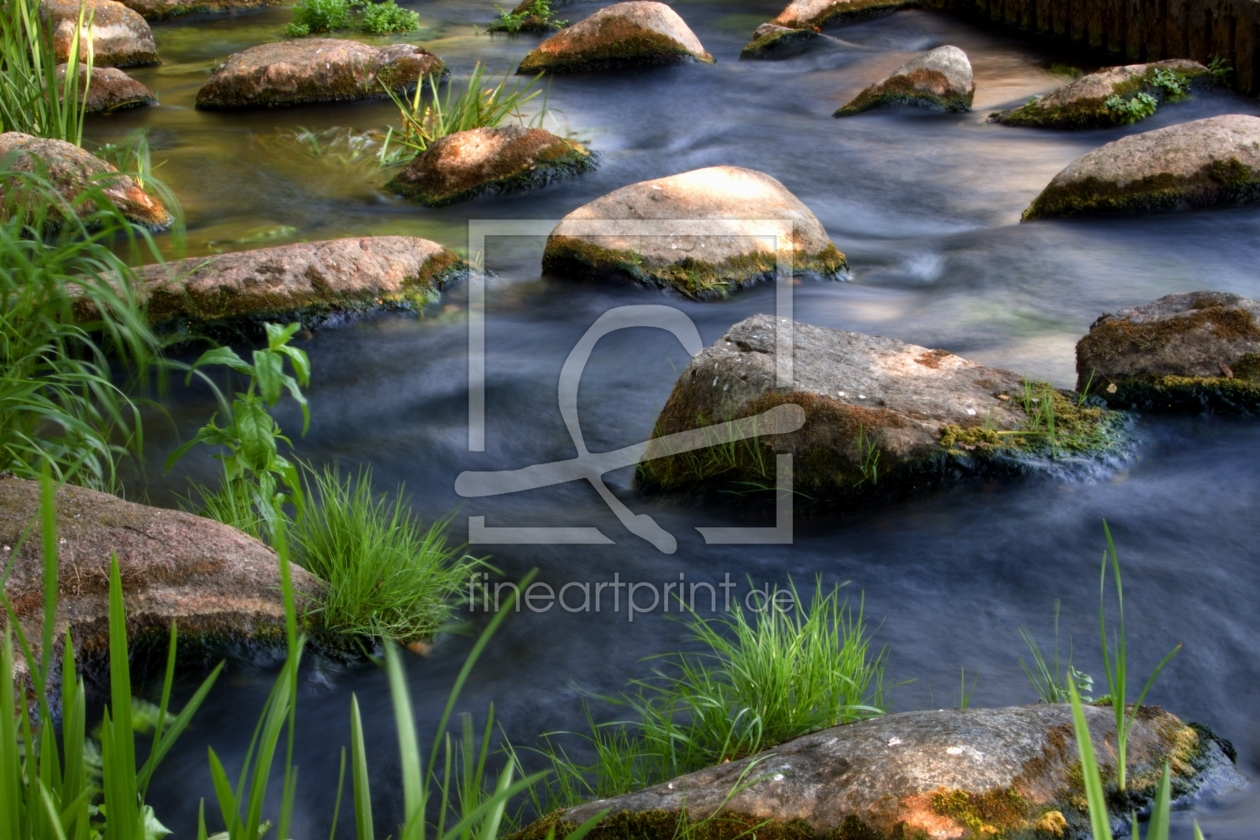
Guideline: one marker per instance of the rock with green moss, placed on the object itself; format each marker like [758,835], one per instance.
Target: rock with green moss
[119,36]
[772,41]
[731,255]
[1106,98]
[309,70]
[483,161]
[1001,774]
[939,79]
[529,16]
[167,9]
[220,585]
[1195,164]
[307,281]
[1188,352]
[108,90]
[881,417]
[806,14]
[633,34]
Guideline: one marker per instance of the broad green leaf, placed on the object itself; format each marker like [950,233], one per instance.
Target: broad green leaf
[221,356]
[269,374]
[255,428]
[278,336]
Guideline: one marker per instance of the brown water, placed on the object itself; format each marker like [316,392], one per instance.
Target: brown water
[926,205]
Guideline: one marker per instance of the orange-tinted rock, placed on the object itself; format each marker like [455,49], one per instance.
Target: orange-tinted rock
[631,34]
[110,90]
[939,79]
[120,37]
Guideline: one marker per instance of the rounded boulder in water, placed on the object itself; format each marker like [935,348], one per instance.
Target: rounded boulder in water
[631,34]
[939,79]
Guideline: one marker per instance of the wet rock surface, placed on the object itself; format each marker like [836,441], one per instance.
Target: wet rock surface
[120,36]
[110,89]
[998,773]
[1084,103]
[72,170]
[633,34]
[219,585]
[939,79]
[1195,164]
[803,14]
[1186,352]
[881,417]
[307,281]
[772,41]
[698,266]
[311,70]
[166,9]
[490,161]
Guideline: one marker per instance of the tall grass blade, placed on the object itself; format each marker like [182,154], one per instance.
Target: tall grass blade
[361,786]
[1098,819]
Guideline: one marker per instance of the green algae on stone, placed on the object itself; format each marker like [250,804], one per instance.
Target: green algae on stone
[632,34]
[774,42]
[940,79]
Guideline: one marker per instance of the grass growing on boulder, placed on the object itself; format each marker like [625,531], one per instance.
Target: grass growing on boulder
[535,17]
[389,575]
[31,98]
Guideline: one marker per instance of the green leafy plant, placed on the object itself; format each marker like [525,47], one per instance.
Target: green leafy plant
[32,99]
[318,16]
[538,16]
[1173,84]
[478,106]
[387,17]
[313,16]
[253,467]
[1138,107]
[868,453]
[1221,69]
[1051,683]
[389,575]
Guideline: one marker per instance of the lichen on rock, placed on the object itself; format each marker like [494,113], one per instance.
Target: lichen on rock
[940,79]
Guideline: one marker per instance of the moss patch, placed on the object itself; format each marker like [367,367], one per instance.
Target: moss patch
[1058,423]
[914,88]
[1094,112]
[669,825]
[781,43]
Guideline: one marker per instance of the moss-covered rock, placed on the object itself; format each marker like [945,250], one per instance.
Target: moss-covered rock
[881,417]
[805,14]
[529,16]
[167,9]
[307,281]
[1187,352]
[633,34]
[1105,99]
[1195,164]
[1003,774]
[696,266]
[489,161]
[120,37]
[308,70]
[938,79]
[110,89]
[73,171]
[771,41]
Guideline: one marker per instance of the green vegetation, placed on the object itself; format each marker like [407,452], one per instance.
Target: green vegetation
[1140,106]
[478,106]
[388,575]
[1051,683]
[316,16]
[387,17]
[32,100]
[536,17]
[1221,70]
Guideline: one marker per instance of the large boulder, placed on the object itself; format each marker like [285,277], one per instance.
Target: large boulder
[72,171]
[306,70]
[880,417]
[470,163]
[307,281]
[697,266]
[165,9]
[938,79]
[807,14]
[630,34]
[120,37]
[1194,164]
[1103,99]
[110,89]
[955,773]
[220,586]
[1182,352]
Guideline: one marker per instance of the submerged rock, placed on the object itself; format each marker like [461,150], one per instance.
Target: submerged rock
[772,41]
[310,281]
[470,163]
[697,266]
[803,14]
[1191,351]
[219,585]
[1101,100]
[881,417]
[632,34]
[166,9]
[72,171]
[937,79]
[120,37]
[1194,164]
[316,70]
[110,89]
[996,773]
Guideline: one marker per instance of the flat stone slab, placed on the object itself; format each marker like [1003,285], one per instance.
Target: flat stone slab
[1191,165]
[489,161]
[219,585]
[955,773]
[72,170]
[939,79]
[804,14]
[307,70]
[1189,352]
[167,9]
[1083,103]
[308,281]
[110,89]
[120,37]
[881,417]
[697,266]
[634,34]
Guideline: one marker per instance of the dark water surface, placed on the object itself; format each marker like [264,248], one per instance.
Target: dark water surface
[926,206]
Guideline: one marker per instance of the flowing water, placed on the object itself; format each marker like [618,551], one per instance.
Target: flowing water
[926,206]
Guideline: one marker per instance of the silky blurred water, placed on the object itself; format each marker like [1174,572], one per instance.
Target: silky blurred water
[926,206]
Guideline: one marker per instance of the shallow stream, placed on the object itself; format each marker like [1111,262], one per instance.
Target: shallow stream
[926,206]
